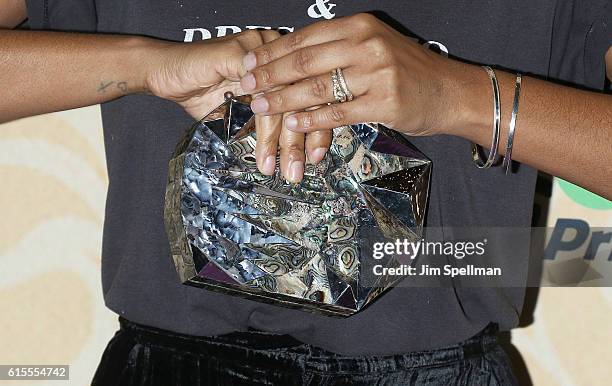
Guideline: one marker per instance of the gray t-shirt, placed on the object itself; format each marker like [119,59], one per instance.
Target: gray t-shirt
[560,39]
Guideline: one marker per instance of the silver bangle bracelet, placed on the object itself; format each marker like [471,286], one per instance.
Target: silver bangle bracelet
[515,106]
[476,149]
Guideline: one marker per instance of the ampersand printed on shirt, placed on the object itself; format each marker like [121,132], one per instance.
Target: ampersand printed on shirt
[321,8]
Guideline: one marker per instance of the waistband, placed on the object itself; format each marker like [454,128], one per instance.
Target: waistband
[267,349]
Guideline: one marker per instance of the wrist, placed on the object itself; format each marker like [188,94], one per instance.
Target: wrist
[467,102]
[474,103]
[145,58]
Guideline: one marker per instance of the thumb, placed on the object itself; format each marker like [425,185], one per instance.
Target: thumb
[200,106]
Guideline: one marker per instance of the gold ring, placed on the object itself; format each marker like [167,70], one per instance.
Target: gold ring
[343,86]
[339,94]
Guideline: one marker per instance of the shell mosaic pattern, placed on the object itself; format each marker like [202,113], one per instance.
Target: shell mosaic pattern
[303,245]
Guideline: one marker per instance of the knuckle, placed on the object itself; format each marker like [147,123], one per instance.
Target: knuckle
[318,88]
[235,45]
[277,101]
[265,142]
[294,148]
[376,45]
[265,138]
[363,21]
[251,34]
[263,55]
[306,120]
[263,76]
[336,113]
[303,61]
[295,40]
[270,35]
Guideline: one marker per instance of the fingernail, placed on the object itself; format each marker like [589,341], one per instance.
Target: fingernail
[249,61]
[248,82]
[317,155]
[296,171]
[260,105]
[291,122]
[269,165]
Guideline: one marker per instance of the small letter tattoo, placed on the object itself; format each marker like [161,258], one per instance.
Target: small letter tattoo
[122,86]
[104,86]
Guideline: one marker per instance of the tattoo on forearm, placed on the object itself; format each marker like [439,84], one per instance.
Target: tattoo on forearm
[121,86]
[104,86]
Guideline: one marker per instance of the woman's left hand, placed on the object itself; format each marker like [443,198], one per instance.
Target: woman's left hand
[394,80]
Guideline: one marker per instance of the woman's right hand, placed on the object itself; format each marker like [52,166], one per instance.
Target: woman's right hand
[196,75]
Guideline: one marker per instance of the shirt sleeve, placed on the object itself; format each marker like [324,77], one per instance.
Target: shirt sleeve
[62,15]
[582,34]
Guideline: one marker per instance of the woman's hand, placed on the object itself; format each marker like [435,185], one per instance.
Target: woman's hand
[196,75]
[395,81]
[87,69]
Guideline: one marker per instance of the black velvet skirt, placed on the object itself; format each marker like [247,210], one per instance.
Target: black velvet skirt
[146,356]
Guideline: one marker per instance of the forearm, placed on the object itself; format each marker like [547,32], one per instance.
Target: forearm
[12,13]
[43,72]
[560,130]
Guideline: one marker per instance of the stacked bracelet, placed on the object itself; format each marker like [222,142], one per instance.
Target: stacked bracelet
[515,105]
[476,149]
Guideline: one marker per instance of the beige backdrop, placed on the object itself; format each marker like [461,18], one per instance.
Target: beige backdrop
[52,189]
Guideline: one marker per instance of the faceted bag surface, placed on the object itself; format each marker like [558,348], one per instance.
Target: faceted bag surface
[306,245]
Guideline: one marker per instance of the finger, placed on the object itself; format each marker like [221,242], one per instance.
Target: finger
[292,156]
[313,34]
[268,130]
[249,40]
[315,91]
[304,63]
[270,35]
[233,48]
[252,39]
[334,115]
[317,144]
[199,106]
